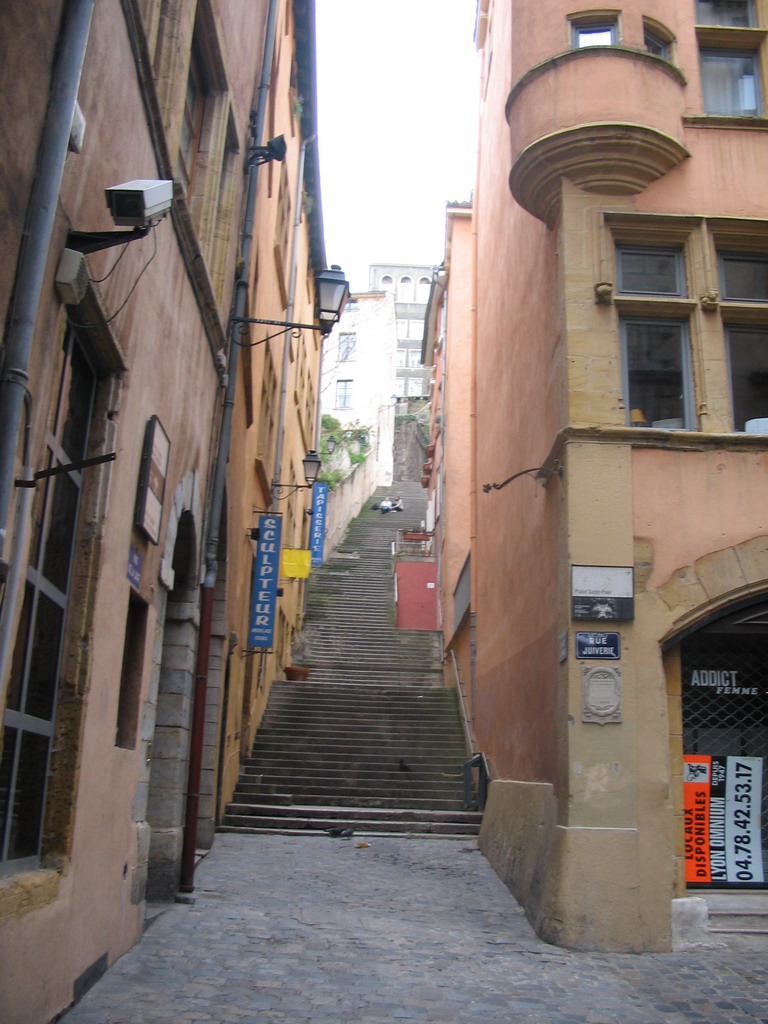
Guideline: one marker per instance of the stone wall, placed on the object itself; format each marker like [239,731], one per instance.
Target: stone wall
[410,449]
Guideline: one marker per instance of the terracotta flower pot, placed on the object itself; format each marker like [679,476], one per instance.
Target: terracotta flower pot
[297,673]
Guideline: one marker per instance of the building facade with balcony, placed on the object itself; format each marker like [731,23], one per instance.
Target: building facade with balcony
[618,544]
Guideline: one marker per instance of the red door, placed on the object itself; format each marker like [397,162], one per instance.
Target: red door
[416,595]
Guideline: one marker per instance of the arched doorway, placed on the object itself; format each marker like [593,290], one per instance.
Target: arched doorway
[724,675]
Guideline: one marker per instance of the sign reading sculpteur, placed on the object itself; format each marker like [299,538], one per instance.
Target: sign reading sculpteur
[602,592]
[722,797]
[154,469]
[319,509]
[266,573]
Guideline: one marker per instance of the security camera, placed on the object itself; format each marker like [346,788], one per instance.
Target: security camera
[138,203]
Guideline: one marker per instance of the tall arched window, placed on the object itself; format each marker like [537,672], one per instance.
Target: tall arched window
[405,289]
[422,290]
[387,283]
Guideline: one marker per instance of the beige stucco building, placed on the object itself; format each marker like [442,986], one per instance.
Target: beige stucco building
[129,685]
[613,648]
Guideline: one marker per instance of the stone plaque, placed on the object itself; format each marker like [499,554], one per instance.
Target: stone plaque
[601,694]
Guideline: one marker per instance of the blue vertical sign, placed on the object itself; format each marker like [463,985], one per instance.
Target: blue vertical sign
[319,508]
[266,573]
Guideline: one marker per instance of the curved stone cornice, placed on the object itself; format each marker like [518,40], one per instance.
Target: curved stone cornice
[613,158]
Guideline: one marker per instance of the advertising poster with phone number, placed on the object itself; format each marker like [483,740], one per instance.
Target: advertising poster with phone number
[722,801]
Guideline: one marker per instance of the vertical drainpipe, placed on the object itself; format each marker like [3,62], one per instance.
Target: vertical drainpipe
[289,316]
[33,259]
[287,346]
[186,883]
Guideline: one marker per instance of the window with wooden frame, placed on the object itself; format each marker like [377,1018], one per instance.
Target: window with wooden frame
[744,288]
[657,39]
[730,61]
[267,408]
[748,370]
[657,373]
[192,122]
[730,83]
[731,13]
[33,691]
[283,233]
[343,394]
[654,311]
[347,346]
[225,208]
[206,156]
[650,270]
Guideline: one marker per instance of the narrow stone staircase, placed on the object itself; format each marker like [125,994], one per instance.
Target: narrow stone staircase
[373,741]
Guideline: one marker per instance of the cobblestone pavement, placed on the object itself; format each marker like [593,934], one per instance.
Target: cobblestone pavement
[318,930]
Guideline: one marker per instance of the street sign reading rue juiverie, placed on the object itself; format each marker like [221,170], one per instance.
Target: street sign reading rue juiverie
[597,645]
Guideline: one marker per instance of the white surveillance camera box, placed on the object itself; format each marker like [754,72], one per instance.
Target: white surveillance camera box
[136,203]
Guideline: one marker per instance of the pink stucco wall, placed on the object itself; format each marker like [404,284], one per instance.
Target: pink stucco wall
[693,503]
[519,388]
[455,448]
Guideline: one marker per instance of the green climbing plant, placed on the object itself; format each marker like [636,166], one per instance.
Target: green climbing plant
[352,438]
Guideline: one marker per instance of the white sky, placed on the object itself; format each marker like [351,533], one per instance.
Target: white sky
[398,100]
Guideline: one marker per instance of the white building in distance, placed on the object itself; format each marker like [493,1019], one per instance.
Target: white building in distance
[410,284]
[358,374]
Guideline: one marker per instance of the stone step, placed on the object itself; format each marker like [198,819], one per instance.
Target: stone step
[397,646]
[353,813]
[739,921]
[738,918]
[395,782]
[381,795]
[285,798]
[302,826]
[378,726]
[427,702]
[379,675]
[408,733]
[390,751]
[438,761]
[374,716]
[269,775]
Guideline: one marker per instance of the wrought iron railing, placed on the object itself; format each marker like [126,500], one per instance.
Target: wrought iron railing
[476,778]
